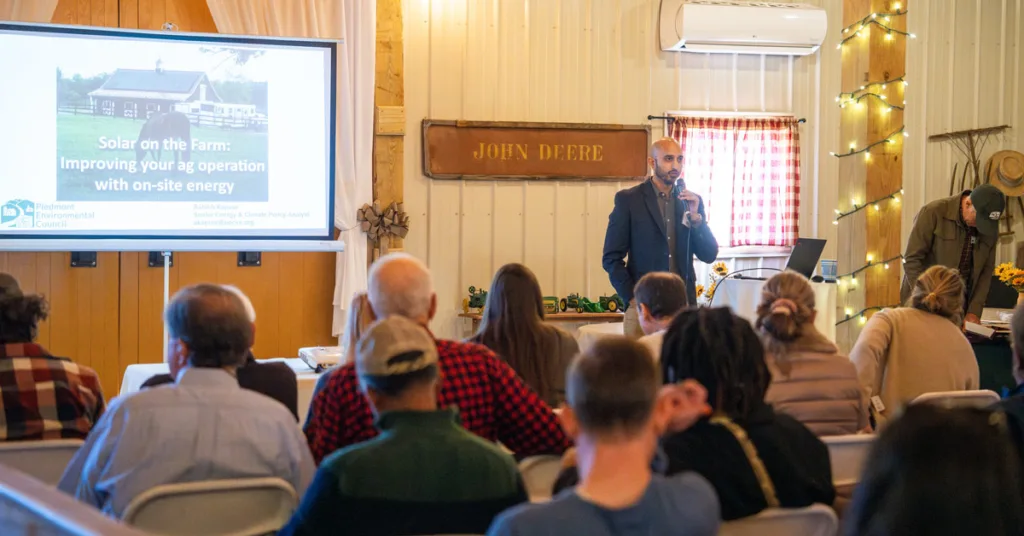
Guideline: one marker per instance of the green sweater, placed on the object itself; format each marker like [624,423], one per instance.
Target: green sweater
[424,474]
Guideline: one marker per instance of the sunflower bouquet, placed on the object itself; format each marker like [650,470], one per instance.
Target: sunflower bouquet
[718,271]
[1012,276]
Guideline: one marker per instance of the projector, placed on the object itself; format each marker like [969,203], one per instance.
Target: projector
[320,358]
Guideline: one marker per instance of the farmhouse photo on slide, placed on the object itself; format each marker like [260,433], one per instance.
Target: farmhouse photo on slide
[175,121]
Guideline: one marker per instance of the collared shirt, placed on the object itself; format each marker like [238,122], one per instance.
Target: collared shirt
[424,474]
[493,403]
[966,265]
[667,206]
[276,380]
[45,397]
[204,427]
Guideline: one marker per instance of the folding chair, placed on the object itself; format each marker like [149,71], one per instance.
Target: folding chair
[239,507]
[45,459]
[815,520]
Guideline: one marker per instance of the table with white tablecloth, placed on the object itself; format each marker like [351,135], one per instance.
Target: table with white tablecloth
[136,375]
[587,335]
[743,295]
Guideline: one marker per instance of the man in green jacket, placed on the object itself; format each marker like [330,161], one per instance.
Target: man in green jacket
[424,473]
[957,232]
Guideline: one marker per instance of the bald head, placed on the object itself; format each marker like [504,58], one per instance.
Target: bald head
[666,160]
[400,284]
[665,146]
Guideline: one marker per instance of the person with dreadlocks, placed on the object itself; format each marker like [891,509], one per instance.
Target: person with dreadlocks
[755,458]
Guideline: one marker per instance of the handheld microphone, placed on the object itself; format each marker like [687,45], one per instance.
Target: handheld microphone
[678,187]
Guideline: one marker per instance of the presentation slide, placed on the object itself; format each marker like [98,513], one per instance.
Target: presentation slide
[113,134]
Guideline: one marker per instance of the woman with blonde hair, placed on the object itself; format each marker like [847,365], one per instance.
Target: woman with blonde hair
[811,381]
[513,328]
[920,348]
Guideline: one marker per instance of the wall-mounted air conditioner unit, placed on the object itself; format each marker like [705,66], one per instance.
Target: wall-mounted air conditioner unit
[735,26]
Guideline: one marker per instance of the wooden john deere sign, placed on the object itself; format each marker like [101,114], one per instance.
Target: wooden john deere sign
[534,151]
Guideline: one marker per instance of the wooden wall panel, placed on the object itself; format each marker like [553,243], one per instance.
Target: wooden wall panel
[87,12]
[592,61]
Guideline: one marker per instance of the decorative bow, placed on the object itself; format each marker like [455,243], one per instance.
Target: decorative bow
[378,224]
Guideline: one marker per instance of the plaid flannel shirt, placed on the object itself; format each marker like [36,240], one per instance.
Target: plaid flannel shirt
[45,397]
[493,403]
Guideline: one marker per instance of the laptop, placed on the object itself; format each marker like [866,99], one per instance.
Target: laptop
[805,255]
[802,259]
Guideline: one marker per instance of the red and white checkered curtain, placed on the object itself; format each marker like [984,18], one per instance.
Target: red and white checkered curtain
[748,171]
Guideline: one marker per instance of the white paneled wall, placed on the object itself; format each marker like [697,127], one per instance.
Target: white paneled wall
[594,61]
[965,72]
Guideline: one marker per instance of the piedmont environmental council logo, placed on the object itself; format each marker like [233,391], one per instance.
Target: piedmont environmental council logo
[18,213]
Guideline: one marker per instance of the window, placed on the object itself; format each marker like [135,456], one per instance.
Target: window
[748,172]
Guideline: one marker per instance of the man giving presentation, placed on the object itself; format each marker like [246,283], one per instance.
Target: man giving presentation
[957,232]
[660,226]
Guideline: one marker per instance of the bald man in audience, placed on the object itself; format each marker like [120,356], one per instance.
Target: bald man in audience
[204,427]
[276,380]
[659,226]
[494,403]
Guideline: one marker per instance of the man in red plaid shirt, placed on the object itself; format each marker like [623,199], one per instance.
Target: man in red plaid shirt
[41,396]
[492,401]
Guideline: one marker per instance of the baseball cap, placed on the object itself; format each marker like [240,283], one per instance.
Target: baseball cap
[395,345]
[9,286]
[989,202]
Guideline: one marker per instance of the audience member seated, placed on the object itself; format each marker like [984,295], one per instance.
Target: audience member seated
[1013,405]
[276,380]
[358,320]
[940,472]
[811,381]
[616,416]
[917,349]
[754,457]
[513,328]
[493,401]
[41,396]
[660,296]
[203,427]
[424,474]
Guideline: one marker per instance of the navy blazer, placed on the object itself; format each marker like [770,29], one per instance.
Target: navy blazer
[636,229]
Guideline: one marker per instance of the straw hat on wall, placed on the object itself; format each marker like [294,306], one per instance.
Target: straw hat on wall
[1006,172]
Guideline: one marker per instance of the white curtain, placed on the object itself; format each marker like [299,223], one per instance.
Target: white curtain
[27,10]
[354,21]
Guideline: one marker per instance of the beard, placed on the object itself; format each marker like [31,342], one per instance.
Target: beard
[666,178]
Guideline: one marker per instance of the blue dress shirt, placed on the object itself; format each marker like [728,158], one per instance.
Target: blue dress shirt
[204,427]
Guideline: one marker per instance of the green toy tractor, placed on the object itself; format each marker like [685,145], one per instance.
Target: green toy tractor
[613,303]
[476,300]
[571,302]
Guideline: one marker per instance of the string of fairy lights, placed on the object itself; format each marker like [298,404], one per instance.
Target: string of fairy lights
[860,315]
[857,207]
[878,94]
[862,27]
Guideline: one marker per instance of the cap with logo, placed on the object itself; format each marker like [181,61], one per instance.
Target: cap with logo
[395,345]
[9,286]
[990,203]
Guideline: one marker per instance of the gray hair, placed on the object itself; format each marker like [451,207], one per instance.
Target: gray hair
[250,311]
[400,284]
[211,321]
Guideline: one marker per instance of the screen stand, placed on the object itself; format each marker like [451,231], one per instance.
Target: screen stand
[167,292]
